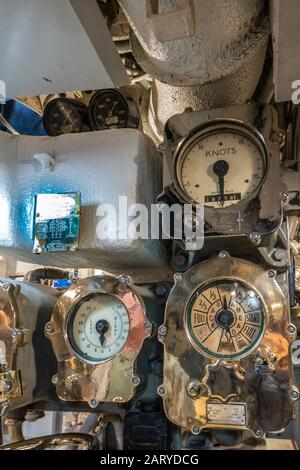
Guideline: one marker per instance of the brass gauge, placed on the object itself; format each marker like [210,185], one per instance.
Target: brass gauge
[220,164]
[98,327]
[225,319]
[97,331]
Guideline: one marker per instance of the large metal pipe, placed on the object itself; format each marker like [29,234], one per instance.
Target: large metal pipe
[215,61]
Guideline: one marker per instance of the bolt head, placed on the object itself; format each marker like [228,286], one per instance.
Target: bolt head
[294,394]
[8,386]
[162,330]
[148,325]
[278,255]
[255,238]
[258,433]
[54,380]
[93,403]
[48,328]
[195,430]
[284,197]
[178,277]
[161,391]
[271,274]
[292,329]
[135,380]
[193,389]
[124,280]
[223,254]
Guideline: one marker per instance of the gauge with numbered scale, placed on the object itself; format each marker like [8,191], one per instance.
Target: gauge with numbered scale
[65,116]
[225,319]
[110,109]
[220,165]
[98,327]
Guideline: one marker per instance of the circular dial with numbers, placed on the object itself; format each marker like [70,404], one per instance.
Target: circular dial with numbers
[98,327]
[225,319]
[221,167]
[109,109]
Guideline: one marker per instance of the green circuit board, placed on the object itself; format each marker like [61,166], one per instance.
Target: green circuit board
[56,224]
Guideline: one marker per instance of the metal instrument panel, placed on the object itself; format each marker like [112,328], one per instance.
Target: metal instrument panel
[250,392]
[111,380]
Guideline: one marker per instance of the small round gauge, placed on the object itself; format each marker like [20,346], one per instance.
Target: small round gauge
[64,116]
[221,165]
[225,319]
[98,327]
[109,109]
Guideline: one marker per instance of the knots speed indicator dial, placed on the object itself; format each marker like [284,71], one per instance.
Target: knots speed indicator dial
[98,327]
[225,319]
[220,165]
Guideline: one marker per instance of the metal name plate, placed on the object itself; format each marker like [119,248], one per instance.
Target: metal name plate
[233,413]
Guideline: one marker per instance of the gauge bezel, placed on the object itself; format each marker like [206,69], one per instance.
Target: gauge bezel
[188,327]
[132,119]
[69,334]
[75,104]
[211,127]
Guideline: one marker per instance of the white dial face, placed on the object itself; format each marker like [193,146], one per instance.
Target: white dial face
[221,168]
[225,319]
[98,327]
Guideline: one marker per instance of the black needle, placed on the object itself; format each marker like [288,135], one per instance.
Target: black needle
[220,169]
[102,327]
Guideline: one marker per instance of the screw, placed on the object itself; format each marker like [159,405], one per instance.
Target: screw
[93,403]
[162,330]
[178,277]
[294,394]
[258,433]
[271,274]
[161,391]
[48,328]
[255,238]
[54,380]
[195,430]
[223,254]
[161,205]
[284,197]
[193,389]
[8,386]
[291,329]
[278,255]
[124,280]
[135,380]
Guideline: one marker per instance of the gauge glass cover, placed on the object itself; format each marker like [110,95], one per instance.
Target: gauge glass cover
[98,327]
[225,319]
[221,168]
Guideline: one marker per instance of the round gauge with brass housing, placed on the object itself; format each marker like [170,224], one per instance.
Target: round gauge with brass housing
[65,116]
[109,109]
[220,164]
[225,319]
[98,327]
[97,330]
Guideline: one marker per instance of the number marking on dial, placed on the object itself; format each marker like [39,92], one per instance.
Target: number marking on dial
[225,319]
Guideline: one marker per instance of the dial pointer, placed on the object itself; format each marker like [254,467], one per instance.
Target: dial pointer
[220,169]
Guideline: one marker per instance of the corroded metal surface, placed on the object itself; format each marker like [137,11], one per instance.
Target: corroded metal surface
[226,36]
